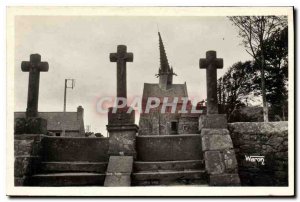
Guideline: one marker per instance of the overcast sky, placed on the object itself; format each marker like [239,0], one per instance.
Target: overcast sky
[79,47]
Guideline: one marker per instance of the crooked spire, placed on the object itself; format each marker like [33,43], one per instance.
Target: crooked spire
[165,72]
[164,64]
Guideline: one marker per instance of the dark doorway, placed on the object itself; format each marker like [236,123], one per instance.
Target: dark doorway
[57,134]
[174,127]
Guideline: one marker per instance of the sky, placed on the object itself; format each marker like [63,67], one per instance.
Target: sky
[78,47]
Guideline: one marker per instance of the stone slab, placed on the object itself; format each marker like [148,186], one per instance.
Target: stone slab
[122,143]
[214,162]
[121,180]
[23,147]
[67,179]
[213,121]
[169,147]
[224,180]
[20,181]
[230,160]
[120,164]
[119,116]
[163,176]
[25,165]
[168,165]
[216,142]
[119,171]
[56,167]
[74,149]
[213,131]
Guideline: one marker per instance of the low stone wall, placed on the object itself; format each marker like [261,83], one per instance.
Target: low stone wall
[169,147]
[269,140]
[75,149]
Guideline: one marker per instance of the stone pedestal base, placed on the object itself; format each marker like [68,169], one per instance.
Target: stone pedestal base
[30,126]
[122,140]
[120,116]
[219,155]
[213,121]
[122,132]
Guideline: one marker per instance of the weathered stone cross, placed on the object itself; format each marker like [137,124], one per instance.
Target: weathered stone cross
[121,57]
[211,63]
[34,67]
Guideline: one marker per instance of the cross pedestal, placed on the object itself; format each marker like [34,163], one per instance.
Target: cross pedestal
[122,132]
[32,124]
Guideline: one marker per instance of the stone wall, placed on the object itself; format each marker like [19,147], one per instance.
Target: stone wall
[169,147]
[261,139]
[75,149]
[188,124]
[27,157]
[160,124]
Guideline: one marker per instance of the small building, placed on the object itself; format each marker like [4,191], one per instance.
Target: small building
[168,123]
[69,124]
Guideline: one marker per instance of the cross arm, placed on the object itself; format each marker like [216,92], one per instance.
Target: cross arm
[113,57]
[203,63]
[43,66]
[129,57]
[25,66]
[219,63]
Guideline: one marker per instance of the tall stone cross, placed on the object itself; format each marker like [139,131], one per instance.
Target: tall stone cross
[121,57]
[211,63]
[34,67]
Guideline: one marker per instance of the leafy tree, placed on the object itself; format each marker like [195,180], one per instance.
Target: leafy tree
[235,86]
[255,31]
[276,78]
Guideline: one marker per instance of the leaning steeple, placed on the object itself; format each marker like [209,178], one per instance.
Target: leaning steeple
[164,63]
[165,73]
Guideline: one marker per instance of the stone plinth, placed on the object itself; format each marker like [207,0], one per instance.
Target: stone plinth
[219,155]
[30,126]
[122,140]
[213,121]
[119,116]
[122,132]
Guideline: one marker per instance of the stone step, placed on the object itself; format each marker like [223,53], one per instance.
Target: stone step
[168,165]
[67,179]
[170,177]
[77,166]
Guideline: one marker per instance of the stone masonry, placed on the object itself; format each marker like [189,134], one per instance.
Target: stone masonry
[27,149]
[269,140]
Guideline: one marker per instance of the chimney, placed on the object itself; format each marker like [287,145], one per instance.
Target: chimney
[80,112]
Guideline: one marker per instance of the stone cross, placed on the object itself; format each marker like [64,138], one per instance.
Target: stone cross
[121,57]
[34,67]
[211,63]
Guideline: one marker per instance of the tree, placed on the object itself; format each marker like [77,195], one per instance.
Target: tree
[276,58]
[235,86]
[255,31]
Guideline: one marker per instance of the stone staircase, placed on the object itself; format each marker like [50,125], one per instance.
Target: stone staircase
[183,172]
[71,162]
[69,174]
